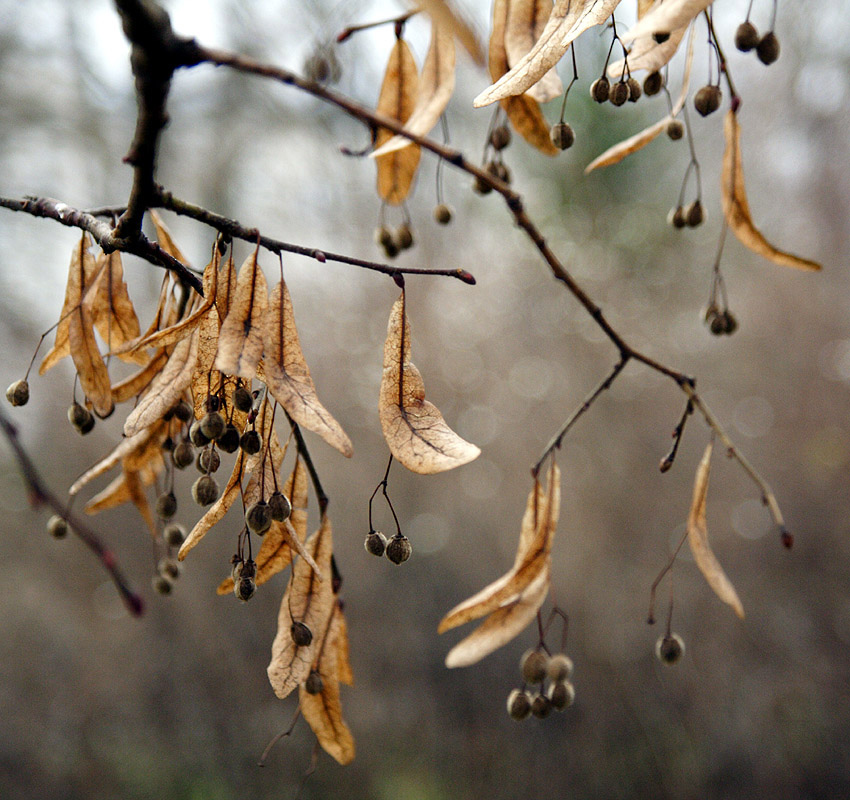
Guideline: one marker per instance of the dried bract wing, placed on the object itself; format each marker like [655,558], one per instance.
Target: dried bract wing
[443,14]
[666,17]
[91,368]
[112,309]
[526,21]
[414,428]
[698,540]
[736,209]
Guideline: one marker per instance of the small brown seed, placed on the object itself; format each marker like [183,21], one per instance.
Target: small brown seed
[600,89]
[280,507]
[559,668]
[541,706]
[313,684]
[250,443]
[669,649]
[746,37]
[57,527]
[301,634]
[183,454]
[562,695]
[242,399]
[404,237]
[161,584]
[258,517]
[562,135]
[694,214]
[18,393]
[212,425]
[619,93]
[197,436]
[519,705]
[208,460]
[169,567]
[653,83]
[500,137]
[375,543]
[676,217]
[166,505]
[767,49]
[443,214]
[532,666]
[183,411]
[205,490]
[399,549]
[675,129]
[707,99]
[244,588]
[634,90]
[174,534]
[228,442]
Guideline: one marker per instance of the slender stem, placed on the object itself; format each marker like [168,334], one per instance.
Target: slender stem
[346,33]
[668,460]
[301,446]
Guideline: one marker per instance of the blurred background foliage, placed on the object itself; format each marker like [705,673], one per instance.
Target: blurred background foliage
[177,705]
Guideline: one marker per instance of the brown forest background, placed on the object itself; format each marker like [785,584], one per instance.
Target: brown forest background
[94,704]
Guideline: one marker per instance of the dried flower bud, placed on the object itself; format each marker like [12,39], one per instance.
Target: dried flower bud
[443,214]
[301,634]
[634,90]
[205,490]
[280,507]
[675,129]
[228,442]
[212,425]
[166,505]
[767,49]
[532,665]
[375,543]
[57,527]
[250,443]
[707,99]
[258,517]
[562,135]
[313,684]
[174,534]
[561,695]
[399,549]
[600,89]
[619,93]
[559,668]
[519,705]
[653,83]
[746,37]
[18,393]
[183,455]
[541,706]
[669,649]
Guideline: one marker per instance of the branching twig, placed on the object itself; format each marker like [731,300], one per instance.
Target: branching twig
[39,494]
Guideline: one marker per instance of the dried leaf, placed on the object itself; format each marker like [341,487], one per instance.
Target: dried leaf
[94,376]
[444,15]
[397,100]
[81,276]
[167,388]
[309,600]
[698,540]
[119,490]
[736,209]
[164,238]
[139,381]
[288,377]
[139,499]
[112,309]
[240,341]
[523,111]
[323,711]
[414,428]
[344,672]
[206,380]
[666,17]
[435,90]
[526,20]
[648,54]
[569,19]
[644,6]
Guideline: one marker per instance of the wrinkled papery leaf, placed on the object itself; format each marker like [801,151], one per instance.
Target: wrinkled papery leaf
[323,711]
[444,15]
[644,6]
[139,381]
[523,111]
[167,388]
[288,377]
[698,539]
[82,272]
[240,340]
[435,90]
[397,100]
[616,153]
[526,20]
[513,600]
[119,491]
[414,428]
[165,239]
[666,17]
[569,19]
[648,54]
[310,600]
[736,209]
[344,672]
[112,309]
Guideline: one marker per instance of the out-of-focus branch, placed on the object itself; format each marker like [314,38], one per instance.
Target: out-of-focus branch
[39,493]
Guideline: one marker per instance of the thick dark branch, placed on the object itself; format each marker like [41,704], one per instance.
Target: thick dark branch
[39,494]
[234,229]
[103,234]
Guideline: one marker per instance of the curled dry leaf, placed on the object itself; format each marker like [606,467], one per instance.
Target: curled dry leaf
[523,111]
[568,20]
[698,539]
[526,20]
[435,90]
[167,388]
[112,309]
[123,488]
[165,239]
[344,672]
[307,599]
[666,17]
[91,368]
[139,381]
[397,100]
[288,378]
[240,340]
[444,15]
[513,600]
[736,209]
[323,711]
[414,428]
[644,6]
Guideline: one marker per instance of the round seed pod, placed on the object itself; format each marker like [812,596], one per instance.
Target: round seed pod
[213,403]
[166,505]
[634,90]
[375,543]
[480,186]
[183,411]
[18,393]
[208,460]
[670,649]
[767,49]
[183,455]
[562,135]
[168,444]
[197,436]
[600,89]
[500,137]
[694,214]
[248,569]
[250,443]
[676,217]
[499,170]
[205,490]
[746,37]
[78,415]
[399,549]
[561,695]
[174,534]
[443,214]
[653,83]
[258,517]
[675,129]
[313,684]
[162,585]
[301,634]
[228,442]
[280,507]
[87,426]
[659,37]
[707,99]
[242,399]
[541,706]
[404,237]
[519,705]
[532,666]
[716,324]
[212,425]
[559,668]
[244,588]
[618,93]
[729,322]
[169,567]
[57,527]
